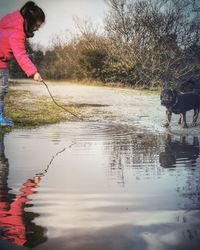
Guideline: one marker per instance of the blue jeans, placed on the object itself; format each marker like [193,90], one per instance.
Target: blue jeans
[4,75]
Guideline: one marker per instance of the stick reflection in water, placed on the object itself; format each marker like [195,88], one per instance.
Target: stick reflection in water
[16,223]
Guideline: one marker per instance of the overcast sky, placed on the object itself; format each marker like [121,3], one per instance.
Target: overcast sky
[60,15]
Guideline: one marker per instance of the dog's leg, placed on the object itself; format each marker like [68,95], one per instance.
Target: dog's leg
[183,140]
[168,118]
[168,139]
[195,116]
[196,141]
[183,120]
[179,121]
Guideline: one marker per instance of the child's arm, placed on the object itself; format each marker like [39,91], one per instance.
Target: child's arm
[17,43]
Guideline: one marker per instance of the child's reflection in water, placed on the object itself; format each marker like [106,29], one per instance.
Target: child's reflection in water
[13,226]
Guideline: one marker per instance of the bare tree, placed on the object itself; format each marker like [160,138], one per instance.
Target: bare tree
[153,37]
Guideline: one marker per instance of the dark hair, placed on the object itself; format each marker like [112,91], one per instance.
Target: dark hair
[31,14]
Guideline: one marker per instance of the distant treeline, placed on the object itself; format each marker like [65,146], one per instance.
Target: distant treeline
[144,43]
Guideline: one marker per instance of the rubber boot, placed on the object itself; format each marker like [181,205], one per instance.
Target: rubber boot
[3,120]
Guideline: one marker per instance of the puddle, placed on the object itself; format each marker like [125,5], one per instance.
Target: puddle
[99,186]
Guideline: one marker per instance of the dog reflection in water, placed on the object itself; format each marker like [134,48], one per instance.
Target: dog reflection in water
[16,224]
[177,150]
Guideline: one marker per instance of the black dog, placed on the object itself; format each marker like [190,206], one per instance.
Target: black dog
[180,104]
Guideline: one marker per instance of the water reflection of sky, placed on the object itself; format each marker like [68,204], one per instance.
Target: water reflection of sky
[101,186]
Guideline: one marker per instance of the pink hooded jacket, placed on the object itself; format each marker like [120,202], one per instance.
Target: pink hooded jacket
[12,41]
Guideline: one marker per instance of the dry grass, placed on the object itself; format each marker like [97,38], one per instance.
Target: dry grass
[29,110]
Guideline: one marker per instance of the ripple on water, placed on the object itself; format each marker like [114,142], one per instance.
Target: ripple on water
[99,177]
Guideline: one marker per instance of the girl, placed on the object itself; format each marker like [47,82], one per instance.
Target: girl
[14,29]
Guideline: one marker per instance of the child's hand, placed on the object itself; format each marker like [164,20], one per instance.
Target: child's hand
[37,77]
[37,179]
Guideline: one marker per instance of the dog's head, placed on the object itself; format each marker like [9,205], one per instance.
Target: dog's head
[168,97]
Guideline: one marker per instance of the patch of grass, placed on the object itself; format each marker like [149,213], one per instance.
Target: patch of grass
[4,130]
[29,110]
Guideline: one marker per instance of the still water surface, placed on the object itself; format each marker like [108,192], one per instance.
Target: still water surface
[99,186]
